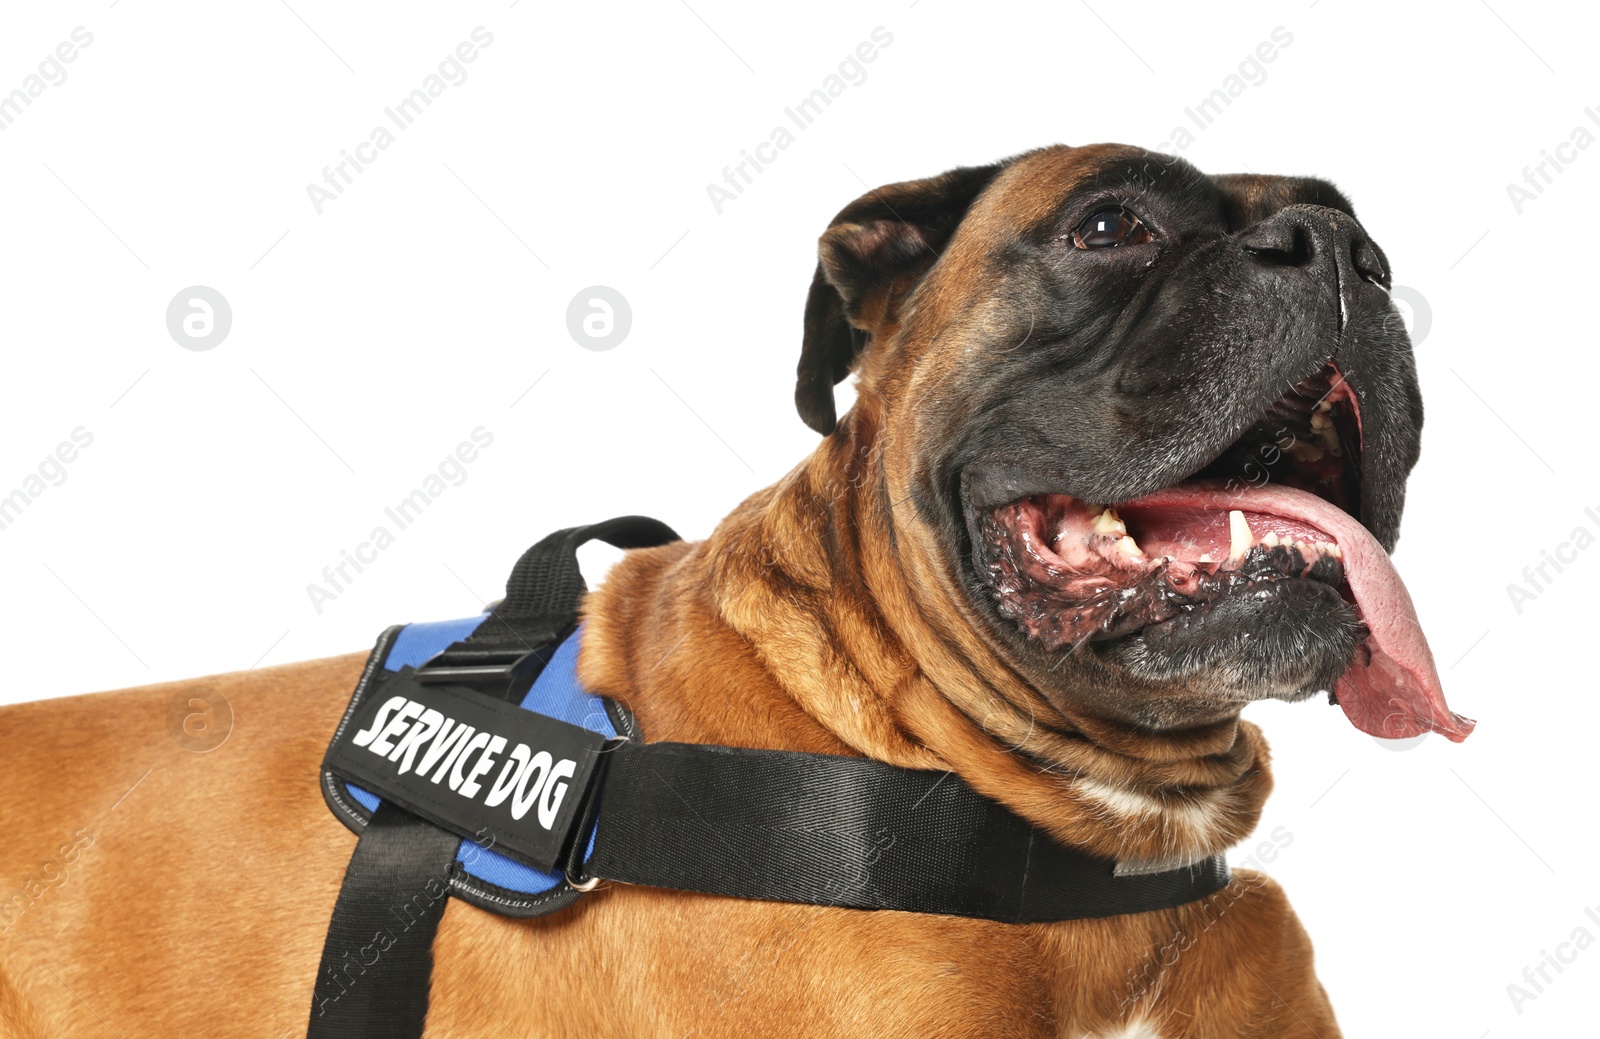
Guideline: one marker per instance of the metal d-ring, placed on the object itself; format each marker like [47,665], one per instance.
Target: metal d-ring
[585,885]
[589,885]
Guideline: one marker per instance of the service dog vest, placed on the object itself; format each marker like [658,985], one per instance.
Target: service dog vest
[473,763]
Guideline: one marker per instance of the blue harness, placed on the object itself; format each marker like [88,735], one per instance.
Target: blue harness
[486,877]
[528,790]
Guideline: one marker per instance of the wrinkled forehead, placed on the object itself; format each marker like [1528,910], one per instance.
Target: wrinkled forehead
[1040,191]
[1249,198]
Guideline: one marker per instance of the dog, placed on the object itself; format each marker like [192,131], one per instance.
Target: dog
[1128,452]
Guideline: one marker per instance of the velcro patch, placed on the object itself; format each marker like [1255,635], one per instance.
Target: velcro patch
[507,777]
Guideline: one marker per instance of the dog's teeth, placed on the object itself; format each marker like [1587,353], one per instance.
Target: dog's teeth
[1301,451]
[1205,557]
[1242,540]
[1271,540]
[1329,549]
[1323,405]
[1129,547]
[1110,524]
[1322,426]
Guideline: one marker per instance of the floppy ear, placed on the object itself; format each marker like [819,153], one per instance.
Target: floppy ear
[873,254]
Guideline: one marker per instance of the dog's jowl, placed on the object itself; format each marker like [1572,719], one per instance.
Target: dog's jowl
[1128,452]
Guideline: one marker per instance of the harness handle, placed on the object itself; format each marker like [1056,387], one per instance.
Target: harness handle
[546,582]
[505,653]
[377,957]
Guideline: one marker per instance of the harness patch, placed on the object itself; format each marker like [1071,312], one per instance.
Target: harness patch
[480,729]
[478,767]
[489,873]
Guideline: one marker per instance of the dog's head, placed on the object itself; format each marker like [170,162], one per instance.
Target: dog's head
[1150,427]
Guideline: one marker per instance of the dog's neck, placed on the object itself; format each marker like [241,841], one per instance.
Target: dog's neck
[830,639]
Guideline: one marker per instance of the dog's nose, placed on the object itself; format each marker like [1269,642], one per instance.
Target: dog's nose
[1318,238]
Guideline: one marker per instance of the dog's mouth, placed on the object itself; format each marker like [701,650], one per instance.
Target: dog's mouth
[1273,515]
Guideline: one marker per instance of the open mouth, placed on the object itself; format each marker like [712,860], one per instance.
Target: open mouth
[1273,514]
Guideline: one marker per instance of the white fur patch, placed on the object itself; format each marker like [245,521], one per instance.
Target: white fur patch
[1137,1029]
[1188,823]
[1118,801]
[1198,814]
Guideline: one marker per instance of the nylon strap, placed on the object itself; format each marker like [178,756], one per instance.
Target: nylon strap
[395,886]
[378,955]
[543,592]
[826,830]
[814,829]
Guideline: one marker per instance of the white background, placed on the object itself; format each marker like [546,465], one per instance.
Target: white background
[369,339]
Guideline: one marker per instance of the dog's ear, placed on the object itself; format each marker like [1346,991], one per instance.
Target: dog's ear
[872,254]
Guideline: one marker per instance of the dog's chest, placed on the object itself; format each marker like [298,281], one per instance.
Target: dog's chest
[676,964]
[1139,1029]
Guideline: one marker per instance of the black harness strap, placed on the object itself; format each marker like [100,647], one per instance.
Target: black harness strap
[378,955]
[540,606]
[377,959]
[814,829]
[837,831]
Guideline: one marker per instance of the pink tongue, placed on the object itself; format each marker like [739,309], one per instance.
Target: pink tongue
[1392,687]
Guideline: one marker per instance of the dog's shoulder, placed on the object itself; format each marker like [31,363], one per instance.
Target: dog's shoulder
[85,760]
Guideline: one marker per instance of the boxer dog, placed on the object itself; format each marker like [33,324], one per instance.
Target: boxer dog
[1128,452]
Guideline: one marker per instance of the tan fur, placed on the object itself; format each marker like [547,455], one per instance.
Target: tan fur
[819,616]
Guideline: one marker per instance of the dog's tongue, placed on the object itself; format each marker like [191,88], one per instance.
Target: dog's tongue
[1391,689]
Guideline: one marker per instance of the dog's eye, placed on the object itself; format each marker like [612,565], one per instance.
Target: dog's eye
[1110,228]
